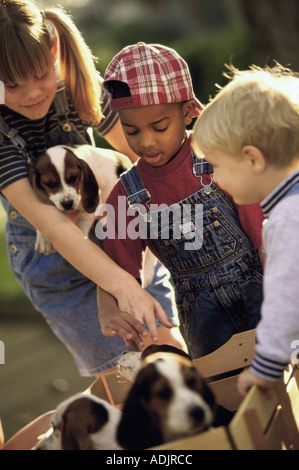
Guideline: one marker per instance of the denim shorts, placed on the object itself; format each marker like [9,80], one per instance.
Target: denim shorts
[68,300]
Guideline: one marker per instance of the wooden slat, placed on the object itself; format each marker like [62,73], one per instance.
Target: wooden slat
[226,393]
[97,388]
[276,435]
[111,387]
[293,393]
[288,413]
[257,437]
[239,427]
[237,353]
[215,439]
[118,386]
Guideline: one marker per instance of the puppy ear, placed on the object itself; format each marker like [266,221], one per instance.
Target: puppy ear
[123,163]
[33,176]
[154,348]
[89,188]
[137,428]
[82,418]
[207,393]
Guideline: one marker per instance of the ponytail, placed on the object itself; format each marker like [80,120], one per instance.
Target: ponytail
[26,39]
[77,66]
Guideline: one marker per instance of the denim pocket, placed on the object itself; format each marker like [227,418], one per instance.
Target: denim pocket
[21,254]
[47,272]
[215,242]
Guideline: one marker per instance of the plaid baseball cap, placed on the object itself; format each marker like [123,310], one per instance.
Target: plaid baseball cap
[150,74]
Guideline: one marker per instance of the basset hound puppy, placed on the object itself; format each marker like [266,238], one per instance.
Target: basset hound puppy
[75,179]
[168,399]
[82,422]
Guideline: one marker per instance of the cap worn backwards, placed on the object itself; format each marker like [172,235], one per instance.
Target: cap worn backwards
[151,74]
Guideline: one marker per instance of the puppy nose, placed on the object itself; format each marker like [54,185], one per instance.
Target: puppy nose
[67,205]
[197,414]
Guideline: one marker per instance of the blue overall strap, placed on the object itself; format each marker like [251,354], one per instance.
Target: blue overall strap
[60,100]
[62,112]
[12,134]
[134,187]
[15,138]
[61,107]
[201,166]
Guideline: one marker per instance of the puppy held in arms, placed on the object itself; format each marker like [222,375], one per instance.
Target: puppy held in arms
[75,179]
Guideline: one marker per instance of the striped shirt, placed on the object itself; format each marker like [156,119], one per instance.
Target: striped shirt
[279,192]
[34,132]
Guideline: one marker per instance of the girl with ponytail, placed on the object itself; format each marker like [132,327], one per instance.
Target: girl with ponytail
[53,96]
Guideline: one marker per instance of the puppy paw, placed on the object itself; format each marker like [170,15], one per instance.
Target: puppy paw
[129,365]
[43,246]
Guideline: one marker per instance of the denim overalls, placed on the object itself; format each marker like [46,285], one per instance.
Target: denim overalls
[63,295]
[218,283]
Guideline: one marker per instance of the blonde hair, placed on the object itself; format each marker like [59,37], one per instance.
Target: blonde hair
[25,50]
[258,107]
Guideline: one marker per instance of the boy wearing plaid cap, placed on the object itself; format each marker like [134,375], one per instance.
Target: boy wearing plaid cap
[184,218]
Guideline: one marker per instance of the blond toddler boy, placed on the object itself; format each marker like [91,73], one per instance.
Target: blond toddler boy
[255,156]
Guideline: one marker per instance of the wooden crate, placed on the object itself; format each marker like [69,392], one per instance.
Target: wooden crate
[269,424]
[259,423]
[220,368]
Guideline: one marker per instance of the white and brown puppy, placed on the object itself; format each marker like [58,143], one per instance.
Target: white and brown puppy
[168,400]
[82,422]
[75,178]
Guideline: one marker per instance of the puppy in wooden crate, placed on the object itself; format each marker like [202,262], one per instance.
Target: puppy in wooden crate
[82,422]
[168,399]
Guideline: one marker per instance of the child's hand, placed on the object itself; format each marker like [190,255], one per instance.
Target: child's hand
[129,311]
[247,379]
[144,308]
[117,322]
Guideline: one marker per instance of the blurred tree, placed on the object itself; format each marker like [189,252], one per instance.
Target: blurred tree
[274,30]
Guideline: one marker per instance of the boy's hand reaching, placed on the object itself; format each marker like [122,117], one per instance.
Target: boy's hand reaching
[117,322]
[115,318]
[145,309]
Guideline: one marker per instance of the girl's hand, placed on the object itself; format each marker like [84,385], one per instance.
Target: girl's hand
[127,314]
[144,308]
